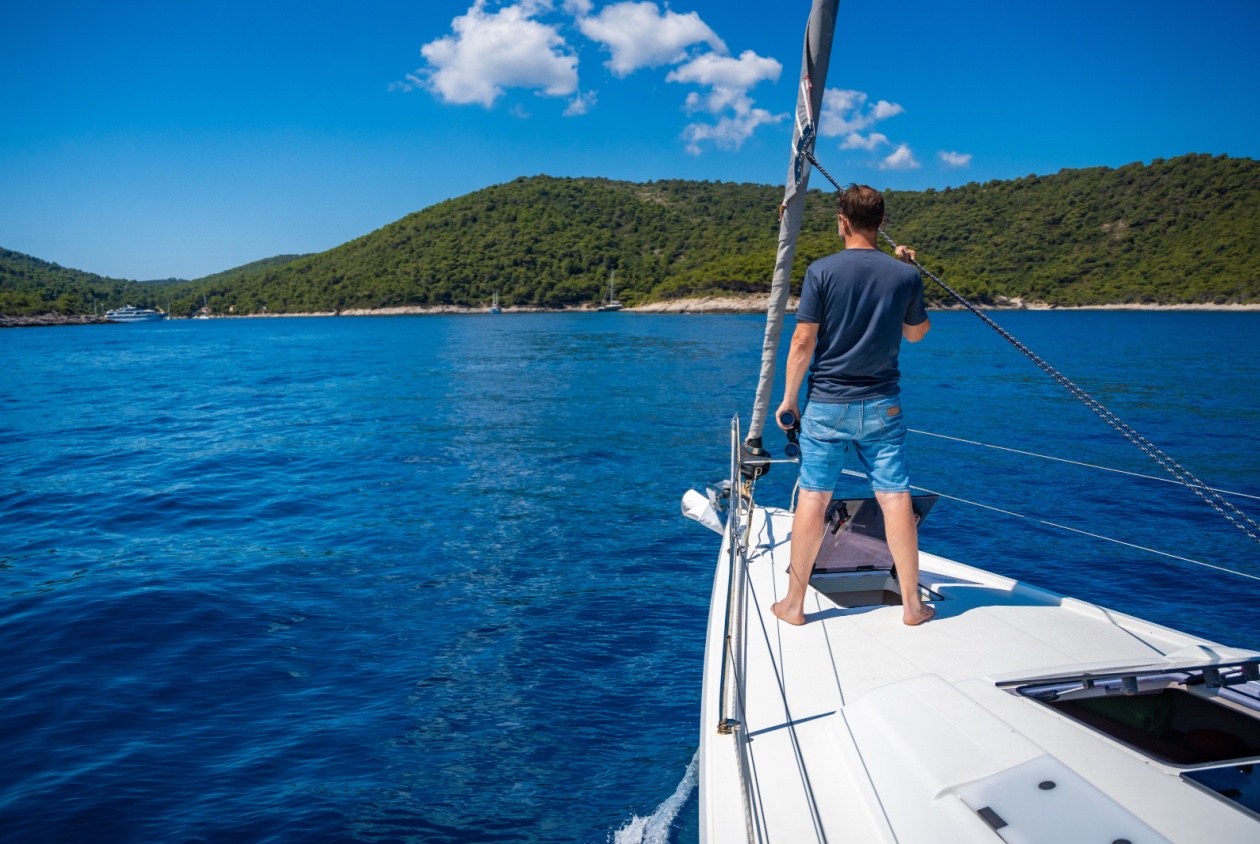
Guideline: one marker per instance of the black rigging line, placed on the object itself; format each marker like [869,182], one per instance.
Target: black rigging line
[1213,499]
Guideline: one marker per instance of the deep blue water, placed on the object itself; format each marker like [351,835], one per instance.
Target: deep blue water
[424,579]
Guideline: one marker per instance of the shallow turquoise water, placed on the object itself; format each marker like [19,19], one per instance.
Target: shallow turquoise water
[425,578]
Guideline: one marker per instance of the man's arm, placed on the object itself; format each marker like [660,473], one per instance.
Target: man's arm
[915,333]
[804,341]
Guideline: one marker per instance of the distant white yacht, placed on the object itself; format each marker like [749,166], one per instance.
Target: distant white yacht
[130,313]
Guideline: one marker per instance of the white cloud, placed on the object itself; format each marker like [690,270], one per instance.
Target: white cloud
[643,35]
[900,159]
[724,71]
[730,132]
[884,109]
[488,52]
[581,103]
[513,44]
[728,80]
[856,141]
[837,103]
[717,100]
[845,112]
[954,159]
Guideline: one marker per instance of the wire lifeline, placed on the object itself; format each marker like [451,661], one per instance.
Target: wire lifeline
[1232,514]
[1036,520]
[1087,533]
[1073,462]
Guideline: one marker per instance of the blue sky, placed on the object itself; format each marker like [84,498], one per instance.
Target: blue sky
[155,140]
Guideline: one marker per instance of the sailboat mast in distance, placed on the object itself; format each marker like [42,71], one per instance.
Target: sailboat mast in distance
[611,304]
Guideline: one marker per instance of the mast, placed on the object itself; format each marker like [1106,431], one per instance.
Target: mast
[814,62]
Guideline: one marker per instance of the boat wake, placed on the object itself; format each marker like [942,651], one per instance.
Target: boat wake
[654,829]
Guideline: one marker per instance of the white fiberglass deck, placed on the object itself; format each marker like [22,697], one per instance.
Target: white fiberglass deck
[856,728]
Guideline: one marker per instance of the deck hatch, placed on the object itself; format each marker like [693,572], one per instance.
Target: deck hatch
[1194,716]
[854,537]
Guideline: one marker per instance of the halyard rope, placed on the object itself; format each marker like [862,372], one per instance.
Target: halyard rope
[1213,499]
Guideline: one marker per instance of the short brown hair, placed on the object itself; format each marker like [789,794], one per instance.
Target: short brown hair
[863,205]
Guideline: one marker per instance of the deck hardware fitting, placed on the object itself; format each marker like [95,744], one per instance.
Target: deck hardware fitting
[992,818]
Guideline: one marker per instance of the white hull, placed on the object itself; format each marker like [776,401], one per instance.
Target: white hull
[130,314]
[856,728]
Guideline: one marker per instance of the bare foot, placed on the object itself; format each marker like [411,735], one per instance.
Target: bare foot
[781,612]
[914,619]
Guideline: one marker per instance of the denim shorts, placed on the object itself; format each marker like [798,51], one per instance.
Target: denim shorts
[877,431]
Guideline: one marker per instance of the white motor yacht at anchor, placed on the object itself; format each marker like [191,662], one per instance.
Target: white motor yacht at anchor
[1014,715]
[130,313]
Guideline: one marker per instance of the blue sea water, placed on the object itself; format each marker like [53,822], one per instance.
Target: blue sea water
[425,578]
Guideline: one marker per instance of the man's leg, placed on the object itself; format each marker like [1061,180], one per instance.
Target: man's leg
[807,536]
[903,541]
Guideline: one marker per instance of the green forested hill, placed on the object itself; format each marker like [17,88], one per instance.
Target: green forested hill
[251,268]
[1183,230]
[29,286]
[539,241]
[1177,231]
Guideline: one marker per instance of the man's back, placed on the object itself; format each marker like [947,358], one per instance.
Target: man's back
[860,298]
[855,308]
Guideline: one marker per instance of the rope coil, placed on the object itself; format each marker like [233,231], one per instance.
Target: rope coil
[1183,475]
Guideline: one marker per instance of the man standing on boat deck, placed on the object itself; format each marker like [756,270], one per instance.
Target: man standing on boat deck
[855,307]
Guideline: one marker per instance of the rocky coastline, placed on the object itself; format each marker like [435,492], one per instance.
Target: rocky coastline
[757,304]
[50,319]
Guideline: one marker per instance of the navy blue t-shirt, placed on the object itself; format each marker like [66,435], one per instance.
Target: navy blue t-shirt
[859,298]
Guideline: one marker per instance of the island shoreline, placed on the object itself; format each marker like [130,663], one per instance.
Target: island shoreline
[692,306]
[738,305]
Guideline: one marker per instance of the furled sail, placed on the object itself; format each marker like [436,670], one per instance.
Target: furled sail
[818,34]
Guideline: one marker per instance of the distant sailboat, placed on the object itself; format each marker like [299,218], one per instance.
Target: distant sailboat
[611,304]
[494,306]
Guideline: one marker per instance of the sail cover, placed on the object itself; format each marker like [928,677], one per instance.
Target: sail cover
[818,34]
